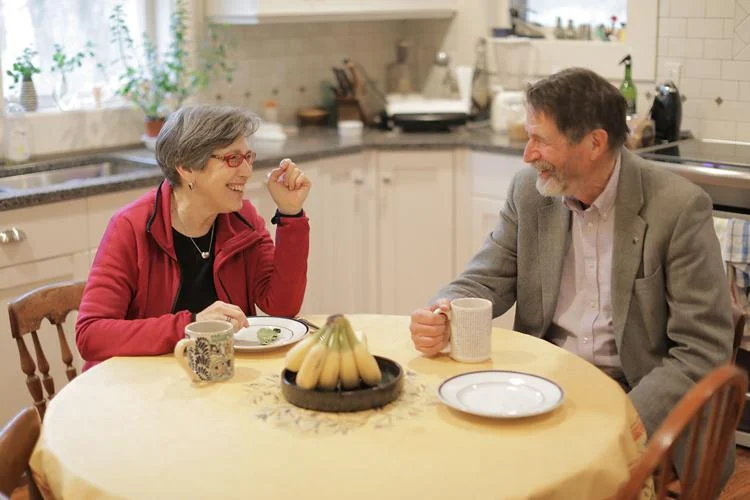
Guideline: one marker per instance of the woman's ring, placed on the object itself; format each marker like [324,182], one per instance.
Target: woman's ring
[228,318]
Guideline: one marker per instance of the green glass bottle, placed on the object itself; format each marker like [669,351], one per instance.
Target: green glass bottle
[627,88]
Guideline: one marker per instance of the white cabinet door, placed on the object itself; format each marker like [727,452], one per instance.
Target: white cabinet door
[343,253]
[415,227]
[14,282]
[484,179]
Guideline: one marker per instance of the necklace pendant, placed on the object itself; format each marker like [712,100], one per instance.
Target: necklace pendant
[205,255]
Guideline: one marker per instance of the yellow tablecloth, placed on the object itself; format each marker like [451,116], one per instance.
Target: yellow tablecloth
[138,428]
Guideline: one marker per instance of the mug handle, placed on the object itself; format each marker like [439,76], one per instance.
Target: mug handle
[447,314]
[179,355]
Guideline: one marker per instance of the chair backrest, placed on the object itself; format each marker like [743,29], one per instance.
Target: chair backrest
[707,417]
[739,333]
[53,302]
[17,441]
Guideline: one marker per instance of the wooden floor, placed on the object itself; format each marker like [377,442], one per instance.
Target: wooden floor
[738,486]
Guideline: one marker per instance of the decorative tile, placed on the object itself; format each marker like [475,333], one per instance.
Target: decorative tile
[743,30]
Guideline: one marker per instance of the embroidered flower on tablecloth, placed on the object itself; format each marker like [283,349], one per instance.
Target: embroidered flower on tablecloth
[270,406]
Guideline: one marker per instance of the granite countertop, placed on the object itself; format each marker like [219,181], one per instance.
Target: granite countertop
[307,146]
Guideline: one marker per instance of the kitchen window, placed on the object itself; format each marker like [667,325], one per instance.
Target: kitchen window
[40,24]
[591,12]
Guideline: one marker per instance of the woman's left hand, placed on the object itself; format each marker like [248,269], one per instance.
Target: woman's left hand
[288,186]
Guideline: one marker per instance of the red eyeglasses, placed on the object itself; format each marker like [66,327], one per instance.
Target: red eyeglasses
[234,160]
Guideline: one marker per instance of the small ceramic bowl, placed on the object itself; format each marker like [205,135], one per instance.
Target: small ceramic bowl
[362,398]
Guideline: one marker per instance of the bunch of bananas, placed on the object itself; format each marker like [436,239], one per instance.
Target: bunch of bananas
[332,357]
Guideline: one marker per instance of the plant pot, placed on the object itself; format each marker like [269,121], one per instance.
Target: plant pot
[28,95]
[153,126]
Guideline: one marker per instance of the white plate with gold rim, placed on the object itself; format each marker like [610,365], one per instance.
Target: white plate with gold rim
[289,330]
[501,394]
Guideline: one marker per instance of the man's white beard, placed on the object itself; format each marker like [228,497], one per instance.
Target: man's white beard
[550,186]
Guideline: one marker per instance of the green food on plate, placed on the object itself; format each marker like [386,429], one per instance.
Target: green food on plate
[268,335]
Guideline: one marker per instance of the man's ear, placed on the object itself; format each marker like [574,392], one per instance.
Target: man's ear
[599,141]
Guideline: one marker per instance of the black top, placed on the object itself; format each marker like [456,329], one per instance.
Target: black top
[197,290]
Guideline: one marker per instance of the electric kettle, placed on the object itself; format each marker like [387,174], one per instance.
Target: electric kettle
[666,112]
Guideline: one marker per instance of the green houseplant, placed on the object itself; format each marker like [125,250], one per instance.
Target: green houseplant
[23,70]
[158,84]
[65,64]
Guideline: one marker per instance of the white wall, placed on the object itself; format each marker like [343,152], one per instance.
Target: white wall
[710,39]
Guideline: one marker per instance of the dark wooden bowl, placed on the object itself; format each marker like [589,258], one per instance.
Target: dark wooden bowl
[361,398]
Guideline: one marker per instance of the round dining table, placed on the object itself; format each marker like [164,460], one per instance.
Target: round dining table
[138,427]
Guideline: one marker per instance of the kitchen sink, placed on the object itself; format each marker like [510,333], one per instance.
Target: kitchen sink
[68,175]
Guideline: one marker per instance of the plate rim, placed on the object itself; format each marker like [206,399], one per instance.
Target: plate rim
[269,347]
[495,415]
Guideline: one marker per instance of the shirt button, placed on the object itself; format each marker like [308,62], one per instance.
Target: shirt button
[592,304]
[586,340]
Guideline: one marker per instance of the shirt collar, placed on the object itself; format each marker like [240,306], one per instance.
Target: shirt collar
[606,199]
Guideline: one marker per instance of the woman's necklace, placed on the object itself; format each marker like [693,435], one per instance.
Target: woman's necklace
[206,254]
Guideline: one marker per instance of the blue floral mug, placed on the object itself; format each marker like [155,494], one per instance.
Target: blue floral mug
[207,352]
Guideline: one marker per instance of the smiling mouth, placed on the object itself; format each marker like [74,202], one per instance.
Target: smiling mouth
[237,188]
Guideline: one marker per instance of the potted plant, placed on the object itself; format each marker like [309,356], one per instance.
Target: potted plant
[22,71]
[65,64]
[158,84]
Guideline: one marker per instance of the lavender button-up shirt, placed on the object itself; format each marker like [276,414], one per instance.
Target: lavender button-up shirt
[582,323]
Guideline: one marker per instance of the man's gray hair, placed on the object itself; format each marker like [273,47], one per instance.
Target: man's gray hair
[191,134]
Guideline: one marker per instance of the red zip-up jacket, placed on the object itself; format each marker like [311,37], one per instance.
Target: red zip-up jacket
[128,304]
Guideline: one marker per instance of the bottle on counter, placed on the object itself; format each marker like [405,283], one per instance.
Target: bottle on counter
[17,143]
[399,78]
[480,84]
[627,87]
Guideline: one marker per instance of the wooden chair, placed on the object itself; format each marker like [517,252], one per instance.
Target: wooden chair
[720,396]
[17,441]
[53,302]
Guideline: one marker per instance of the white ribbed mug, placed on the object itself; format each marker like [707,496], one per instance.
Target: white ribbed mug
[470,325]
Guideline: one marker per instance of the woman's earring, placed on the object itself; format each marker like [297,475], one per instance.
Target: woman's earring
[190,186]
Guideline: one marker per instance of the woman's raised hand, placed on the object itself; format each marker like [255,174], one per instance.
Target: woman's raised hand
[288,186]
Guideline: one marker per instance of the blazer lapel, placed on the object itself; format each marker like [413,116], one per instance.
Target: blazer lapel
[554,240]
[627,252]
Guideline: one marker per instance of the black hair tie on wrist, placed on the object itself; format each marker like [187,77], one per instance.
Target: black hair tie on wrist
[278,215]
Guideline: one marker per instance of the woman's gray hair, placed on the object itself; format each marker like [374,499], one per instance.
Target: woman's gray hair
[191,134]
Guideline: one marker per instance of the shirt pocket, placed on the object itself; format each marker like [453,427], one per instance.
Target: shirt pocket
[649,293]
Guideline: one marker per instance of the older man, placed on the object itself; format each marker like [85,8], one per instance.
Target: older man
[605,254]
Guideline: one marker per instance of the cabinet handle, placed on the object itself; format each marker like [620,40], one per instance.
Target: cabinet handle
[386,180]
[11,235]
[359,182]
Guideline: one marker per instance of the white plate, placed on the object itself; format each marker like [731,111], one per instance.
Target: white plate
[501,394]
[246,339]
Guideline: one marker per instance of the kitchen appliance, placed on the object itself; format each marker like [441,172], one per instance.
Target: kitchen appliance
[417,113]
[666,112]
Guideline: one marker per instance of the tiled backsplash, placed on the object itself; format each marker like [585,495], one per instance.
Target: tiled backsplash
[288,62]
[711,40]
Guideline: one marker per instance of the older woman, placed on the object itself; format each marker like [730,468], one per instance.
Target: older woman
[193,248]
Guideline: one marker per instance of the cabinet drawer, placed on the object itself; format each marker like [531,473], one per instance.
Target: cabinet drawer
[492,173]
[101,209]
[45,231]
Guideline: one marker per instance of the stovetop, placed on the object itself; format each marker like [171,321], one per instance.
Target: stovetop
[717,154]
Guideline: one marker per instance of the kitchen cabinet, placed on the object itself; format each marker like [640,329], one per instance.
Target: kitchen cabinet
[415,227]
[15,281]
[483,182]
[59,242]
[292,11]
[342,274]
